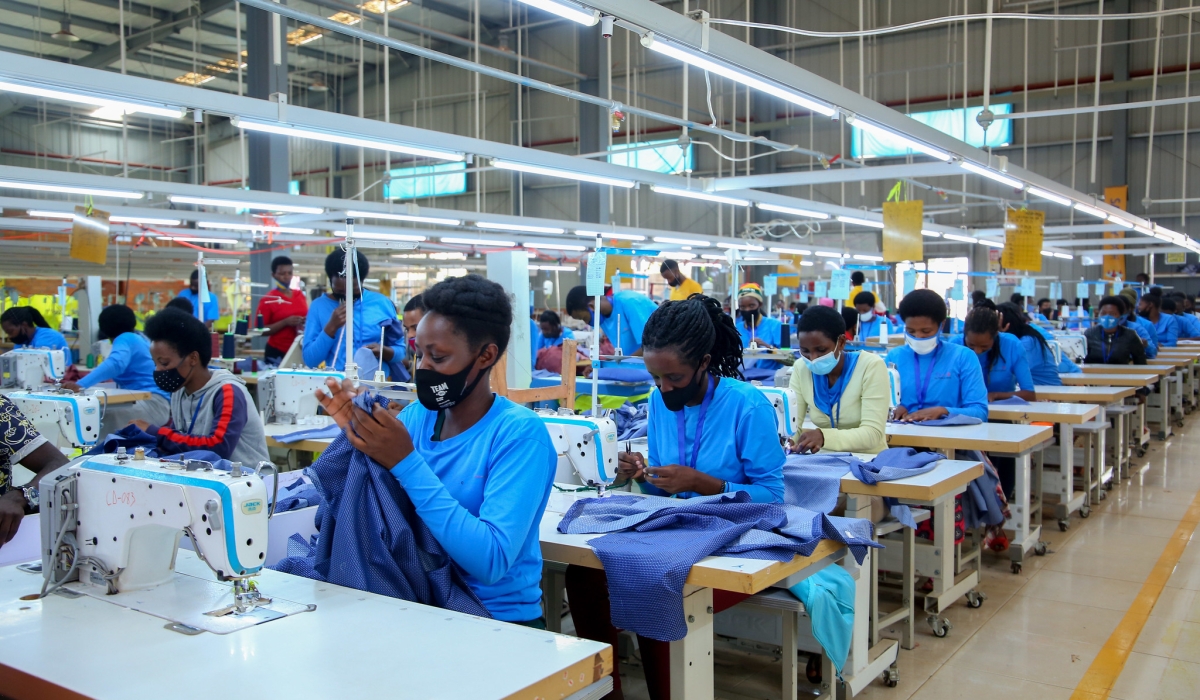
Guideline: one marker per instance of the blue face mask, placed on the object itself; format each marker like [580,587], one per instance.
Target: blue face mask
[1107,322]
[823,365]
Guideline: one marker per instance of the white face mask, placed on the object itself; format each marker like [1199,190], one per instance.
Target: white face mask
[921,346]
[866,318]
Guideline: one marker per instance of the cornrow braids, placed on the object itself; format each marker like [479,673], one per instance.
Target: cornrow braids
[984,320]
[695,328]
[24,314]
[478,307]
[1014,317]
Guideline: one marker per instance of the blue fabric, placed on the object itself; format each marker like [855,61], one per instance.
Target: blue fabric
[371,537]
[129,365]
[828,598]
[482,493]
[301,493]
[372,311]
[769,330]
[1041,362]
[650,545]
[759,374]
[813,481]
[894,463]
[633,375]
[328,432]
[132,437]
[211,310]
[954,383]
[953,419]
[541,342]
[1012,401]
[630,311]
[870,329]
[740,442]
[47,338]
[1010,370]
[1189,325]
[825,396]
[632,421]
[981,501]
[1167,329]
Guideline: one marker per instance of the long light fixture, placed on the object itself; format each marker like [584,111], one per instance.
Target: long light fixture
[675,256]
[782,250]
[555,246]
[703,62]
[42,214]
[990,243]
[931,234]
[566,174]
[144,220]
[478,241]
[1064,256]
[381,235]
[256,227]
[431,220]
[125,107]
[960,239]
[610,234]
[806,213]
[70,189]
[235,204]
[681,241]
[1048,196]
[566,11]
[825,254]
[806,263]
[860,222]
[1126,223]
[554,268]
[993,175]
[913,144]
[869,258]
[741,246]
[199,239]
[1093,211]
[705,196]
[345,139]
[521,228]
[712,256]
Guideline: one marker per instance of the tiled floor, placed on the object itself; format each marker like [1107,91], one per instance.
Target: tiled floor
[1040,630]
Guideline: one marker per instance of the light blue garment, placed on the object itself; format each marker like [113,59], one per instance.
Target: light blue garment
[1009,371]
[1065,366]
[630,311]
[129,365]
[770,330]
[870,329]
[1146,332]
[211,309]
[1189,325]
[828,598]
[47,338]
[541,342]
[1041,362]
[739,443]
[1167,329]
[954,383]
[371,312]
[482,494]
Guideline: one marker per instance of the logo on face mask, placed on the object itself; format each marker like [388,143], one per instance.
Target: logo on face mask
[440,391]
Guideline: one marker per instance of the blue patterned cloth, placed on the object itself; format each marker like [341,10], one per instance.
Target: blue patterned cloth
[1011,401]
[813,481]
[651,544]
[953,419]
[301,493]
[328,432]
[370,536]
[894,463]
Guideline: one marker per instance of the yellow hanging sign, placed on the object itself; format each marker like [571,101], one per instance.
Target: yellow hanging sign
[89,235]
[1176,258]
[1023,240]
[902,238]
[1114,265]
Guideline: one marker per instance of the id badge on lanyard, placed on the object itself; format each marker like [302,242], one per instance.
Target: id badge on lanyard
[681,427]
[923,386]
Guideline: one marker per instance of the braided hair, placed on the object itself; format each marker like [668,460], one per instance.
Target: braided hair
[984,320]
[478,307]
[1014,318]
[695,328]
[24,314]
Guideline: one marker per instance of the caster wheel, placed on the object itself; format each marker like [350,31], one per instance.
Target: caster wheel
[1085,511]
[1109,486]
[1104,493]
[892,680]
[940,626]
[1016,567]
[975,599]
[1063,525]
[1040,549]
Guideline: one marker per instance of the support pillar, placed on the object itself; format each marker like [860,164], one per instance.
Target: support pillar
[510,270]
[594,126]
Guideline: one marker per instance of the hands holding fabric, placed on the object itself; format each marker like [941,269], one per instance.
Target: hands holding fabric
[378,434]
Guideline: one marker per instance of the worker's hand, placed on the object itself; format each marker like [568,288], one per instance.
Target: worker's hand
[297,321]
[71,386]
[141,424]
[1000,395]
[388,353]
[336,320]
[899,412]
[379,435]
[630,465]
[338,401]
[677,479]
[12,509]
[810,441]
[932,413]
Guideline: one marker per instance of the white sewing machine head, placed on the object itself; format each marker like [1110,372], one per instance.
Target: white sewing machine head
[1071,345]
[116,521]
[894,380]
[65,419]
[287,395]
[30,368]
[784,401]
[588,446]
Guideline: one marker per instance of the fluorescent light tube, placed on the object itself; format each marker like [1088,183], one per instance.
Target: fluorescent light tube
[498,226]
[1138,228]
[199,239]
[869,258]
[614,236]
[790,251]
[931,234]
[806,263]
[824,254]
[705,196]
[681,241]
[432,220]
[1064,256]
[960,239]
[126,107]
[42,214]
[1121,222]
[382,236]
[710,256]
[860,222]
[884,132]
[993,175]
[345,139]
[555,246]
[144,220]
[675,256]
[566,174]
[1048,196]
[990,243]
[792,210]
[1048,254]
[566,11]
[554,268]
[479,241]
[1098,213]
[235,204]
[70,189]
[703,62]
[742,246]
[255,227]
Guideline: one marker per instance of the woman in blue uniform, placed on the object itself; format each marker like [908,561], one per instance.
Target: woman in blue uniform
[1001,356]
[709,433]
[1038,354]
[27,328]
[755,326]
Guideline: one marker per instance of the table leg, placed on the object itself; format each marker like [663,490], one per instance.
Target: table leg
[791,664]
[1098,459]
[692,656]
[1066,465]
[1025,537]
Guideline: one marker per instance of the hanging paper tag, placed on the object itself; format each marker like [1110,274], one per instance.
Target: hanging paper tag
[839,286]
[1081,290]
[993,287]
[1055,291]
[956,292]
[867,286]
[1028,287]
[597,260]
[1100,288]
[910,281]
[89,235]
[803,296]
[1118,285]
[821,289]
[203,285]
[770,285]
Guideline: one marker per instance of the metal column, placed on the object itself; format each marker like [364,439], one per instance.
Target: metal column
[594,124]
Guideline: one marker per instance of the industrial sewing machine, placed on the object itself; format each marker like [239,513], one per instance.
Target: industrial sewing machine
[66,419]
[111,524]
[785,402]
[1073,346]
[586,447]
[30,368]
[287,395]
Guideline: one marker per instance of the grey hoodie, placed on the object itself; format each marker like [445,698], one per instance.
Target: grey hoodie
[220,417]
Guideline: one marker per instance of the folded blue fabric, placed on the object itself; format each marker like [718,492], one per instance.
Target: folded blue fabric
[894,463]
[301,493]
[623,374]
[828,598]
[813,481]
[982,505]
[759,374]
[949,420]
[328,432]
[1011,401]
[631,421]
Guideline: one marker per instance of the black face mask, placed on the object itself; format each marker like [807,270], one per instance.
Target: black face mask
[170,380]
[22,339]
[437,391]
[1144,314]
[749,317]
[676,399]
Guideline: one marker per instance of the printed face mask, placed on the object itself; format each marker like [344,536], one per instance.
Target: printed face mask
[438,392]
[1107,322]
[170,380]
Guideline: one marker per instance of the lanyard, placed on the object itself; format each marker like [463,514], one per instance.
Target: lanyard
[1107,348]
[195,414]
[681,426]
[923,387]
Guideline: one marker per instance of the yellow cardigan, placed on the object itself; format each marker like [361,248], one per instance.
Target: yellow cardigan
[863,411]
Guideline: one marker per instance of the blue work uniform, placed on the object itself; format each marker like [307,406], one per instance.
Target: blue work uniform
[47,338]
[1167,329]
[870,329]
[769,330]
[482,494]
[949,377]
[371,311]
[1009,371]
[129,365]
[1040,375]
[1189,325]
[211,309]
[630,311]
[541,342]
[956,326]
[737,443]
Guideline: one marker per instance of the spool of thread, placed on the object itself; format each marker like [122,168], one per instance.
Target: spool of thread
[216,345]
[260,321]
[785,336]
[91,361]
[242,327]
[228,345]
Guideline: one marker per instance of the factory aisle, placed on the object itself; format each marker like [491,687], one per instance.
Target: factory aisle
[1040,633]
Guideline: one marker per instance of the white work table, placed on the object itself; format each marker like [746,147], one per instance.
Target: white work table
[112,396]
[355,644]
[1083,394]
[1134,379]
[271,430]
[1161,369]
